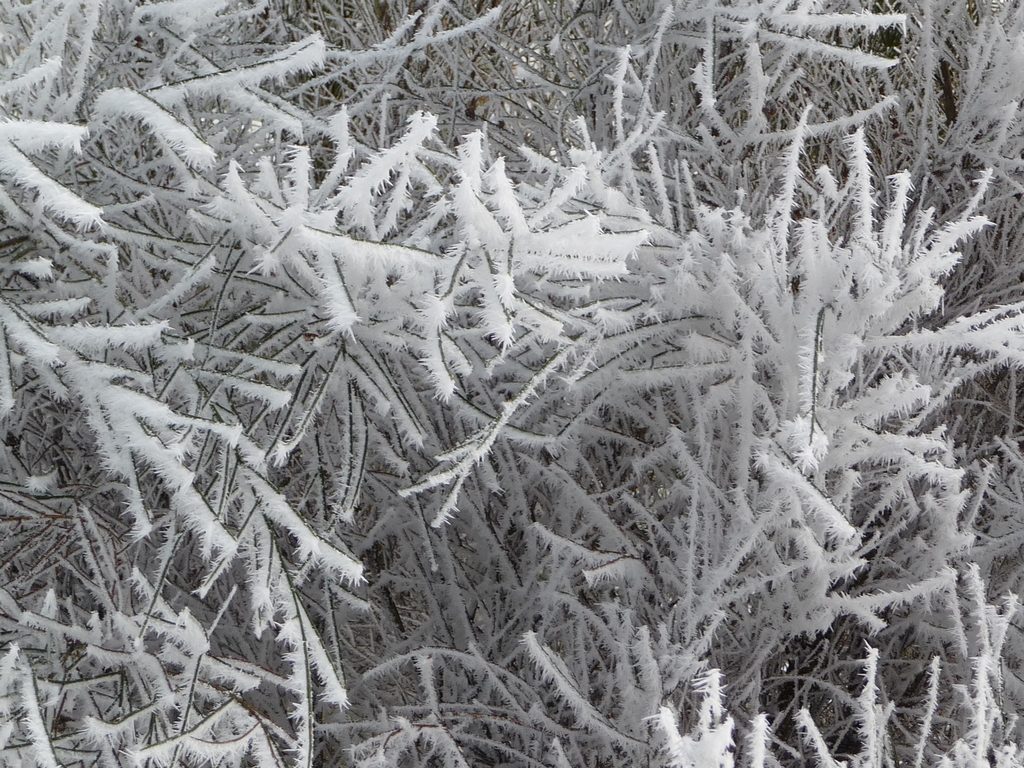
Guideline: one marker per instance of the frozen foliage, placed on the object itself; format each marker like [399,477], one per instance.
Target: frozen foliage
[447,384]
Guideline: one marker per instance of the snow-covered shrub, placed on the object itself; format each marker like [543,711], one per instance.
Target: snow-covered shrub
[349,419]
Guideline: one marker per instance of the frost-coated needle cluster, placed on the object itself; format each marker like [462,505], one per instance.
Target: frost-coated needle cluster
[552,384]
